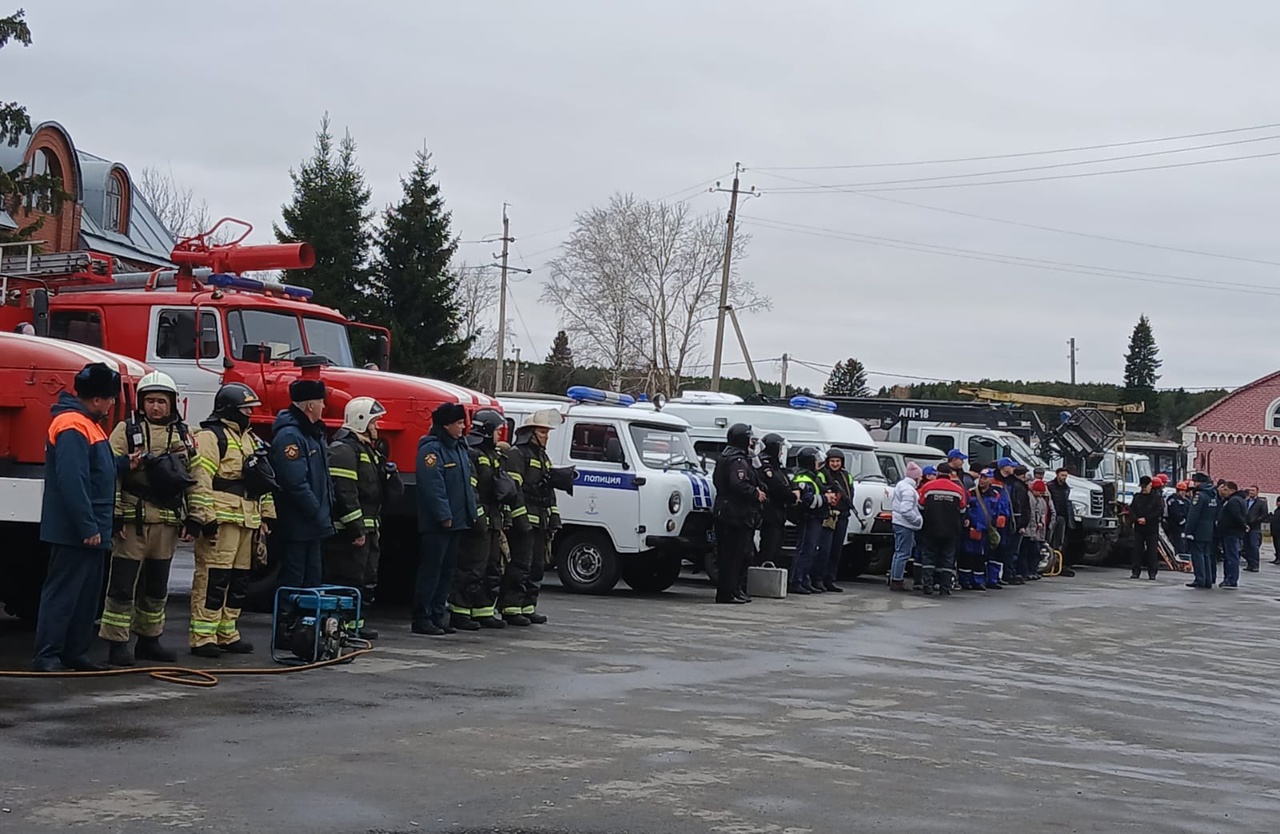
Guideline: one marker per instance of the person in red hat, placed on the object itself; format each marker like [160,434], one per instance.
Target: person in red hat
[1039,525]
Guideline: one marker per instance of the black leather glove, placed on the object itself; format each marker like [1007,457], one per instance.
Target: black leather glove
[192,528]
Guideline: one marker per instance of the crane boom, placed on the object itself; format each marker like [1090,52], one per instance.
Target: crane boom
[991,395]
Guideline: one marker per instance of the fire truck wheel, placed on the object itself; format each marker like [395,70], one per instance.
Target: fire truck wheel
[651,573]
[587,562]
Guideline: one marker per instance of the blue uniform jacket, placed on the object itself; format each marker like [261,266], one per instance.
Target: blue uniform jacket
[80,475]
[444,484]
[1202,518]
[982,516]
[300,459]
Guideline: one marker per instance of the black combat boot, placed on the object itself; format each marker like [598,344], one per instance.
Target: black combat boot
[150,648]
[120,654]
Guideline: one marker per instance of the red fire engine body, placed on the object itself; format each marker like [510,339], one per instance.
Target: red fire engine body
[204,324]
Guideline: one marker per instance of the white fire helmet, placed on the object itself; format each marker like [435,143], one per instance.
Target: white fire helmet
[360,412]
[157,381]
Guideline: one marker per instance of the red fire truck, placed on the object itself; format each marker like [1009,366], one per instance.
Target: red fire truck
[205,323]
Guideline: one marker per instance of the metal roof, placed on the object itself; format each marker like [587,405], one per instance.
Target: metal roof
[147,240]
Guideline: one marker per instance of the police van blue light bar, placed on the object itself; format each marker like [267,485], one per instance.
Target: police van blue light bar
[813,404]
[584,394]
[239,282]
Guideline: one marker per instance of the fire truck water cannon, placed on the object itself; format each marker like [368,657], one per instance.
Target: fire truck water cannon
[230,259]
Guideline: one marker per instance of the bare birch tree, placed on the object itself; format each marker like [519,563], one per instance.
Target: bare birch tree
[636,284]
[176,206]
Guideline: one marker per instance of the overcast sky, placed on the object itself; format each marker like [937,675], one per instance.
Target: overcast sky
[553,105]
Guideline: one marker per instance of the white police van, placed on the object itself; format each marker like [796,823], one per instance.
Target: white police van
[806,422]
[641,502]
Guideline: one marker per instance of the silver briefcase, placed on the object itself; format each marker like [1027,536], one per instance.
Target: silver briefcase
[767,581]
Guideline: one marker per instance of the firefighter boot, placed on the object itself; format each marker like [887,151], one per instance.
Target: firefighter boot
[150,648]
[238,647]
[492,622]
[463,622]
[535,618]
[516,620]
[120,654]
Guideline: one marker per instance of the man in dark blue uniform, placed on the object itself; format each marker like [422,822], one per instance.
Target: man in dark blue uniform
[1202,520]
[300,459]
[446,509]
[76,519]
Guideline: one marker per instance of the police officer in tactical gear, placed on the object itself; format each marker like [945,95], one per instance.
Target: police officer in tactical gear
[150,508]
[300,458]
[228,508]
[536,482]
[835,478]
[363,481]
[737,513]
[472,605]
[774,481]
[813,507]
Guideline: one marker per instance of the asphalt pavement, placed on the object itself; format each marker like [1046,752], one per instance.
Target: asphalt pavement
[1093,704]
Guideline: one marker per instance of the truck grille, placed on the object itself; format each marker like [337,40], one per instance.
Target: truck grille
[1097,503]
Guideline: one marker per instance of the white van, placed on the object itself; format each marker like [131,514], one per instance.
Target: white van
[641,503]
[894,457]
[809,422]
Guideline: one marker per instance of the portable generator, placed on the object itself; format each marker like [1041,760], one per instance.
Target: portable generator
[314,624]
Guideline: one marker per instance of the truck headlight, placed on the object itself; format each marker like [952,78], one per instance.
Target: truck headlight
[866,508]
[675,502]
[1078,510]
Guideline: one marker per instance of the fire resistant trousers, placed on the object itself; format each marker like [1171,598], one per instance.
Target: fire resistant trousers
[69,602]
[220,584]
[479,551]
[522,581]
[355,567]
[140,558]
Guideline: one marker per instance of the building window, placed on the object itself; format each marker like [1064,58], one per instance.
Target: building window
[43,162]
[115,215]
[1273,416]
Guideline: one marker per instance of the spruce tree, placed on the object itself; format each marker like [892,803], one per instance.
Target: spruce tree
[557,370]
[330,211]
[848,379]
[415,285]
[1141,371]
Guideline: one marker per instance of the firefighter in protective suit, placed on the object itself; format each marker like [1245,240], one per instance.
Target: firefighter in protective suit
[472,605]
[228,510]
[150,505]
[531,534]
[363,480]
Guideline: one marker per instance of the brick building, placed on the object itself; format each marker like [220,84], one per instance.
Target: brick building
[105,213]
[1238,437]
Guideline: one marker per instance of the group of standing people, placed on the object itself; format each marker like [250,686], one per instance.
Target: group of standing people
[486,512]
[975,529]
[755,491]
[1216,522]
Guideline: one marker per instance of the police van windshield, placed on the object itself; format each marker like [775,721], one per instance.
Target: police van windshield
[664,447]
[861,463]
[281,335]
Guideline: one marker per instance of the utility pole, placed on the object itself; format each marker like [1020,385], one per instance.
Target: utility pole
[1072,343]
[724,274]
[515,381]
[785,360]
[502,302]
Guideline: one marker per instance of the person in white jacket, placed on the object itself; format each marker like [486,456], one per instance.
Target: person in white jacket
[906,521]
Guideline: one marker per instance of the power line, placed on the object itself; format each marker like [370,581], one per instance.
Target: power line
[1019,155]
[862,187]
[1019,260]
[1075,163]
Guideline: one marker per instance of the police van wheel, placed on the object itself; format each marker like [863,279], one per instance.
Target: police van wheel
[651,574]
[587,563]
